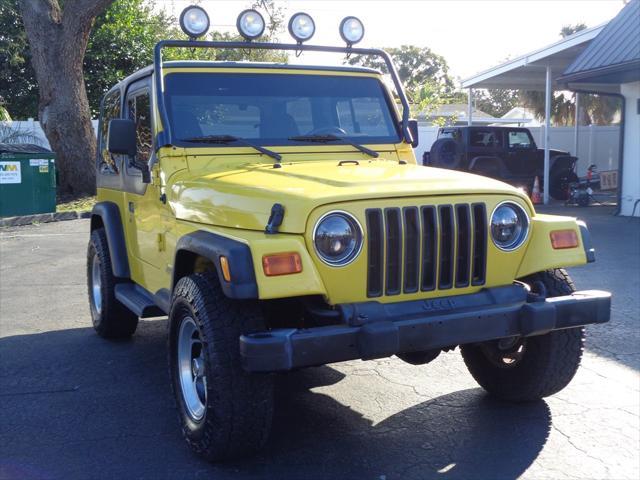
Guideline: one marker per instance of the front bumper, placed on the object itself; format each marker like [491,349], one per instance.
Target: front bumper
[375,330]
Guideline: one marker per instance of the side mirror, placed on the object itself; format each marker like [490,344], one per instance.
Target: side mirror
[121,137]
[413,128]
[121,140]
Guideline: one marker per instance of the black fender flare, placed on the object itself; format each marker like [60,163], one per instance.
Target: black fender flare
[243,284]
[110,219]
[476,164]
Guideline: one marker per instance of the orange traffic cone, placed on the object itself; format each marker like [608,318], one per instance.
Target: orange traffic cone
[536,197]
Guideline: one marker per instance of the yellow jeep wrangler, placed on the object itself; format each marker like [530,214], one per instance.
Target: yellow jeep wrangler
[276,214]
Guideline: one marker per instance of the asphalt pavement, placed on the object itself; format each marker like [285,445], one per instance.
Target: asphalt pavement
[75,406]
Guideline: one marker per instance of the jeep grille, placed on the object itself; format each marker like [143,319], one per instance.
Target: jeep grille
[425,248]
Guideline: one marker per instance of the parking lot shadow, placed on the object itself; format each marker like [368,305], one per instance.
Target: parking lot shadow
[75,406]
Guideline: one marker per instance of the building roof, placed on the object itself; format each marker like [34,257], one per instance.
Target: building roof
[614,55]
[528,72]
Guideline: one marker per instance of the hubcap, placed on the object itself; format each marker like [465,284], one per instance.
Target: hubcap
[191,369]
[96,284]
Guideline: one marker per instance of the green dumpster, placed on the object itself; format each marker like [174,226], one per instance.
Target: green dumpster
[27,180]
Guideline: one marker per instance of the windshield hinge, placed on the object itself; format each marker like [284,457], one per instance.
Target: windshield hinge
[275,219]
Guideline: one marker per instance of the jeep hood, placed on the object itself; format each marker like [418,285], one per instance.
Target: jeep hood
[243,197]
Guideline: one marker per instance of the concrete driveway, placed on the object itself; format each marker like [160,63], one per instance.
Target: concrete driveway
[74,406]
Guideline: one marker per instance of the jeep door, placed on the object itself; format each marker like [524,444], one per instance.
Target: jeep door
[521,153]
[146,214]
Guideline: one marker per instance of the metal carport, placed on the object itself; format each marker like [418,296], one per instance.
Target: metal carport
[535,71]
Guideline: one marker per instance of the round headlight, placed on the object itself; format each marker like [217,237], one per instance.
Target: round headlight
[337,238]
[194,21]
[509,226]
[301,27]
[351,30]
[250,24]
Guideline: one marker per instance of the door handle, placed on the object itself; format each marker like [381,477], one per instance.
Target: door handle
[132,207]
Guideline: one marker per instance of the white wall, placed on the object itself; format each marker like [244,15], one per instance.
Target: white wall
[596,145]
[631,151]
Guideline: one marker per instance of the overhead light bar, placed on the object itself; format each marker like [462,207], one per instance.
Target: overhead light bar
[250,24]
[351,30]
[194,21]
[301,27]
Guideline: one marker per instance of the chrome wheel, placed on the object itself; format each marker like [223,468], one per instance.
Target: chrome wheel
[191,369]
[96,284]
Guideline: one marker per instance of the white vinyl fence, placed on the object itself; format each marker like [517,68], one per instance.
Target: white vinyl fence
[596,145]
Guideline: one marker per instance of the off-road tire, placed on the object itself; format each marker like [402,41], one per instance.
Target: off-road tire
[112,320]
[239,407]
[548,363]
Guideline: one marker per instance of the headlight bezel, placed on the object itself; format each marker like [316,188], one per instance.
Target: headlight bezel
[524,234]
[359,239]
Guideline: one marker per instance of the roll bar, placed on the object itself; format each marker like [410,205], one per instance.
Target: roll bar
[165,137]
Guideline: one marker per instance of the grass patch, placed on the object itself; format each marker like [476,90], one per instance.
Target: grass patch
[82,204]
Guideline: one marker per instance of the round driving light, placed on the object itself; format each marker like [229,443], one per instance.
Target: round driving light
[301,27]
[337,238]
[194,21]
[509,226]
[351,30]
[250,24]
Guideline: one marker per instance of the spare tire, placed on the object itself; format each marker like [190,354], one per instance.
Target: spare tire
[445,154]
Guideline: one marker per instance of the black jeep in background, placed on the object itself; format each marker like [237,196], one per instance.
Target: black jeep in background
[505,153]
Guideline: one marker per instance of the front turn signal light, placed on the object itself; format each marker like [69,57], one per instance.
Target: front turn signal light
[226,272]
[564,239]
[281,264]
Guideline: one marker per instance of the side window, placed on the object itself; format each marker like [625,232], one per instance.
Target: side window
[139,107]
[519,139]
[110,110]
[484,139]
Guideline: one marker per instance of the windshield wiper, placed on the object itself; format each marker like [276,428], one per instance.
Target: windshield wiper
[328,137]
[224,139]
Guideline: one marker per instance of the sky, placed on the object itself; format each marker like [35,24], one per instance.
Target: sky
[472,35]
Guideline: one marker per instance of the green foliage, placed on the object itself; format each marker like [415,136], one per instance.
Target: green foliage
[495,102]
[18,86]
[121,42]
[4,115]
[417,68]
[424,75]
[571,29]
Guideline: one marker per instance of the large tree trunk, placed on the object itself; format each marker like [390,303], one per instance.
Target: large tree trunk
[58,40]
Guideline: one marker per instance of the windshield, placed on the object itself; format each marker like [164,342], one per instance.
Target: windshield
[269,109]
